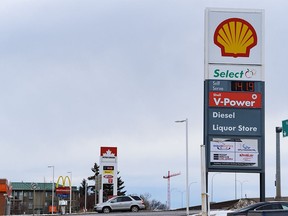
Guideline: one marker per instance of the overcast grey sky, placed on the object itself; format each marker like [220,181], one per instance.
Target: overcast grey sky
[80,74]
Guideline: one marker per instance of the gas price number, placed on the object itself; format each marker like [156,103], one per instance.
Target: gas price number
[246,86]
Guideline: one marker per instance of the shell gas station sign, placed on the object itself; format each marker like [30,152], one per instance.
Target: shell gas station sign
[234,90]
[234,36]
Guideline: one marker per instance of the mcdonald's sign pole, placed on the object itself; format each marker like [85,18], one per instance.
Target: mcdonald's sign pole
[70,206]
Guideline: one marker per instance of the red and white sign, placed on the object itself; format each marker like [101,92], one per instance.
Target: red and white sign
[235,99]
[108,151]
[108,166]
[63,190]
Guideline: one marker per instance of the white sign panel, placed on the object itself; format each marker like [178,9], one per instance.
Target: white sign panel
[234,37]
[234,72]
[230,152]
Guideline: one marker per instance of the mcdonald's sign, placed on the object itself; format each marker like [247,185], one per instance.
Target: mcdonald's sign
[62,188]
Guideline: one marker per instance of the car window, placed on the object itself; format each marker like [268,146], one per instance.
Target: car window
[284,206]
[136,197]
[276,206]
[264,207]
[112,200]
[251,207]
[270,206]
[124,199]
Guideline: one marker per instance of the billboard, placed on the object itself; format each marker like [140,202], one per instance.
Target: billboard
[234,90]
[63,185]
[108,165]
[108,154]
[234,152]
[234,36]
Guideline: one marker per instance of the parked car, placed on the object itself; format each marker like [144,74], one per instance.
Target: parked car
[121,203]
[273,205]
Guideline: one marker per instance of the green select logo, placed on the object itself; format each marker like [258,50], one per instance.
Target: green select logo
[234,75]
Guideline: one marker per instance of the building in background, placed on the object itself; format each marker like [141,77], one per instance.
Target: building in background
[29,198]
[5,194]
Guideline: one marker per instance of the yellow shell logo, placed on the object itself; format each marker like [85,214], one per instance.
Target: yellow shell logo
[235,37]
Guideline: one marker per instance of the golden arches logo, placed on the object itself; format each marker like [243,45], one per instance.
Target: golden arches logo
[235,37]
[64,179]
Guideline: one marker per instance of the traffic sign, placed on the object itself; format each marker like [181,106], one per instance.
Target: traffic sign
[285,127]
[34,186]
[63,196]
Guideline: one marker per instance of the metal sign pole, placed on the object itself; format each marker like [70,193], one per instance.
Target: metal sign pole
[278,164]
[203,182]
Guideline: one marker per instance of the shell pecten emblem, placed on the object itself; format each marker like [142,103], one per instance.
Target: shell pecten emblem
[235,37]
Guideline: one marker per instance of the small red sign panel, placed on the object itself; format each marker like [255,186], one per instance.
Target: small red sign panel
[109,151]
[63,190]
[235,99]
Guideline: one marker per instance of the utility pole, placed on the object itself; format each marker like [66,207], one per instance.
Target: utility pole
[168,188]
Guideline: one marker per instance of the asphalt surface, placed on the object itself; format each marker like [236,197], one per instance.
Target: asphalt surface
[143,213]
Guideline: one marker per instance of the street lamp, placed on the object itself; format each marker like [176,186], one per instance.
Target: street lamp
[190,186]
[70,191]
[212,185]
[241,184]
[181,192]
[187,188]
[52,189]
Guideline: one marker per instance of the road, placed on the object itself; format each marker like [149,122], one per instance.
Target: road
[157,213]
[145,213]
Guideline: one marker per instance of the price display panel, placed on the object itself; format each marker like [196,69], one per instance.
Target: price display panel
[234,86]
[108,167]
[246,86]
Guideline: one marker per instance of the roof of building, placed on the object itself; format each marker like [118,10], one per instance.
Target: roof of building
[29,186]
[42,186]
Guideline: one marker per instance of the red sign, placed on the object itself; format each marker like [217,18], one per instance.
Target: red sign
[108,176]
[235,99]
[108,151]
[63,190]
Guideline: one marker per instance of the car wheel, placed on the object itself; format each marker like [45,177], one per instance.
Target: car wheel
[134,209]
[106,210]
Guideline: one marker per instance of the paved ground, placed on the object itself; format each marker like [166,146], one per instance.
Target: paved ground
[159,213]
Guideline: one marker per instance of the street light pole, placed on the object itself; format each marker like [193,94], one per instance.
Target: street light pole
[187,180]
[189,189]
[212,186]
[241,187]
[52,189]
[70,192]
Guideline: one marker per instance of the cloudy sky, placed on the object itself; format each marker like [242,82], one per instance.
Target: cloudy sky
[78,75]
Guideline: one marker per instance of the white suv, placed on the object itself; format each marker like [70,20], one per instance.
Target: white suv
[121,203]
